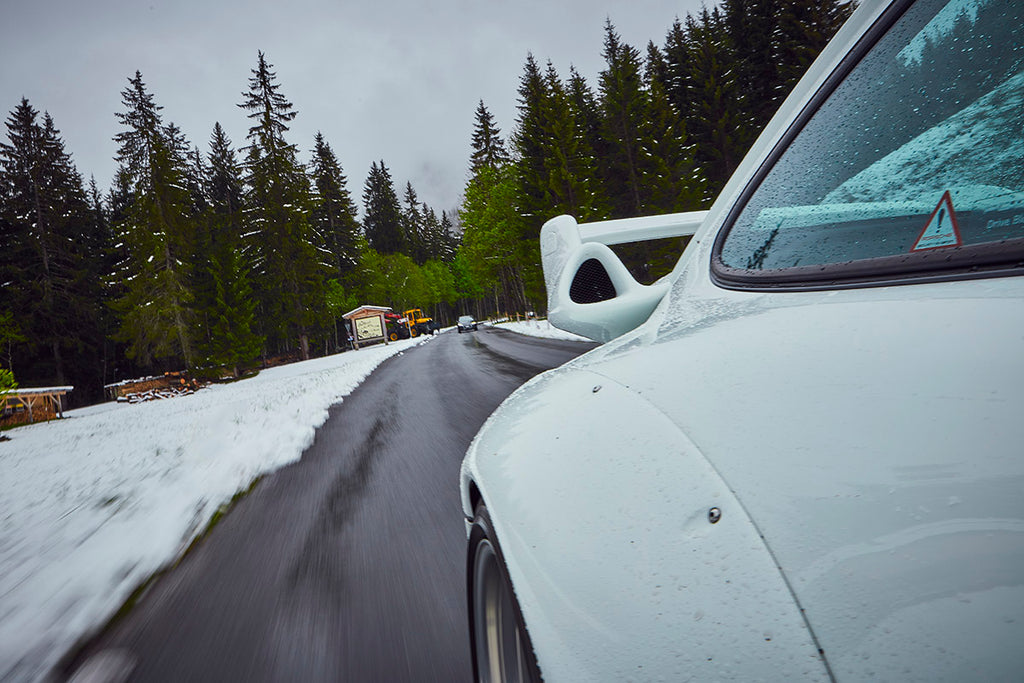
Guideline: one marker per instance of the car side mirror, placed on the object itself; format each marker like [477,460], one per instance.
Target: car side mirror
[590,291]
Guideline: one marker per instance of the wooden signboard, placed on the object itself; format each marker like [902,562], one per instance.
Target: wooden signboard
[368,324]
[369,328]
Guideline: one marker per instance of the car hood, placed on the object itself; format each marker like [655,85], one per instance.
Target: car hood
[875,439]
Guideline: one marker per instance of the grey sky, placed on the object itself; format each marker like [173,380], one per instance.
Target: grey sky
[397,80]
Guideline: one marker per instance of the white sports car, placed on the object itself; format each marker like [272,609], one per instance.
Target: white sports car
[800,456]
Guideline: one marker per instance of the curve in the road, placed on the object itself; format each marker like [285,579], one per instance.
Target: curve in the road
[348,564]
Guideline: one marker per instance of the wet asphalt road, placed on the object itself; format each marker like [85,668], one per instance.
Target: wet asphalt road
[348,565]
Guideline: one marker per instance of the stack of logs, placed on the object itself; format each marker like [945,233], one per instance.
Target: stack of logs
[169,385]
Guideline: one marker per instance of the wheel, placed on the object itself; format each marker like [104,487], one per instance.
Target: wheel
[460,330]
[499,641]
[414,332]
[393,336]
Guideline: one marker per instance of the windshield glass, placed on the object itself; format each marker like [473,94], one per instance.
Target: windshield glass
[918,151]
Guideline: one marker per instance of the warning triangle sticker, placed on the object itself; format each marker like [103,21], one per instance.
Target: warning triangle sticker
[942,229]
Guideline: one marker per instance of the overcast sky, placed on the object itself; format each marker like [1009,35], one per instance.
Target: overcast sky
[397,80]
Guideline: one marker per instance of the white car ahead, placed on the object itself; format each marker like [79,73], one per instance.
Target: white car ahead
[800,456]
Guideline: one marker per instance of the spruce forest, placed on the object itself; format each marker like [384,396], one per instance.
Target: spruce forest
[216,260]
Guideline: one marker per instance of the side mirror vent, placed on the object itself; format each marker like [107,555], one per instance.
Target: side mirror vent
[591,283]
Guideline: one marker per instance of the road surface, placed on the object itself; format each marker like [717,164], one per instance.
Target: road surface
[348,565]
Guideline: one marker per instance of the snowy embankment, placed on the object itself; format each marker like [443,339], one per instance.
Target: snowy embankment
[94,504]
[540,328]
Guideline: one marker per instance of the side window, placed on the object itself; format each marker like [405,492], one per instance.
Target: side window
[912,166]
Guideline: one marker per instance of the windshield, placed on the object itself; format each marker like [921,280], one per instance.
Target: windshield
[914,160]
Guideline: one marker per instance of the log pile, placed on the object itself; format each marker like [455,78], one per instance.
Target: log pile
[168,385]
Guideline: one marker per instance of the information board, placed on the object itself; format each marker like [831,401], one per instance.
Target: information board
[369,328]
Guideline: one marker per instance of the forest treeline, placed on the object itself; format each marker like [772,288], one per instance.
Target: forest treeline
[216,260]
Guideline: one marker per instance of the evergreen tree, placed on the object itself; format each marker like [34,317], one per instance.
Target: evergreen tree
[449,241]
[157,321]
[753,27]
[383,217]
[715,116]
[50,256]
[624,106]
[232,341]
[334,214]
[671,180]
[288,277]
[587,114]
[99,241]
[528,140]
[412,226]
[571,184]
[805,27]
[433,235]
[678,73]
[488,147]
[497,256]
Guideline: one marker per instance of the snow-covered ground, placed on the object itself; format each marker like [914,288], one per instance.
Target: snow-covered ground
[540,328]
[94,504]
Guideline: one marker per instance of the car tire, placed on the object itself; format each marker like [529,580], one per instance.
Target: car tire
[499,641]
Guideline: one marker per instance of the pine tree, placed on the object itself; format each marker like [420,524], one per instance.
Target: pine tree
[488,147]
[571,176]
[288,276]
[528,140]
[433,238]
[587,114]
[715,116]
[624,107]
[99,242]
[449,241]
[231,310]
[671,180]
[383,217]
[753,27]
[157,321]
[49,254]
[412,226]
[333,215]
[805,27]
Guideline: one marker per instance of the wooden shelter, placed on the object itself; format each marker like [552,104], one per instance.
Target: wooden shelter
[368,325]
[42,403]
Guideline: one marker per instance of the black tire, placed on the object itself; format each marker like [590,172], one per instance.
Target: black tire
[499,642]
[460,330]
[393,336]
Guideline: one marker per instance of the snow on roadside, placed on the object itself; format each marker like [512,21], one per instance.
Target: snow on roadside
[540,328]
[92,505]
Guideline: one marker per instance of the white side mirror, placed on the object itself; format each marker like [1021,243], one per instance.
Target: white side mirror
[590,291]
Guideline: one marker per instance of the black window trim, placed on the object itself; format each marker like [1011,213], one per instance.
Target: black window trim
[993,259]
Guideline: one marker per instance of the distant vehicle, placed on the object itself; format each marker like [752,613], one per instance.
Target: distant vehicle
[466,323]
[799,456]
[419,323]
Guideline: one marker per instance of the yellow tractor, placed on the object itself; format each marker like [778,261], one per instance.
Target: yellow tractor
[419,323]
